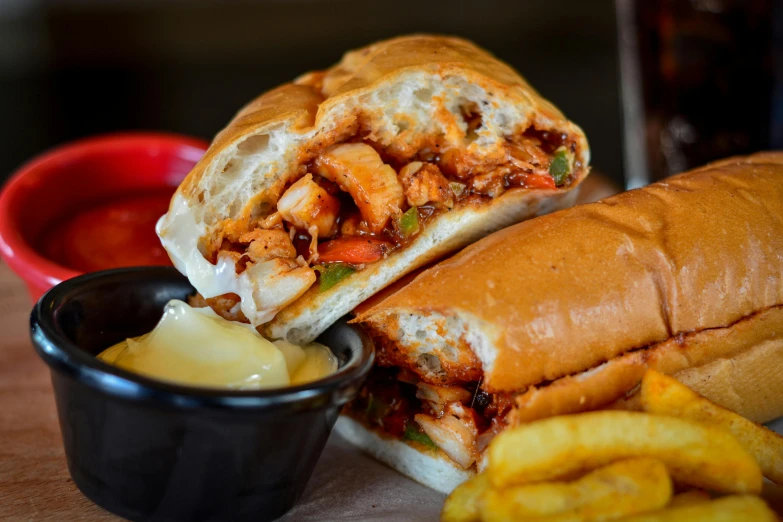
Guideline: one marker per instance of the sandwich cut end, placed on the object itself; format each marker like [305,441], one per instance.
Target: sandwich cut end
[565,314]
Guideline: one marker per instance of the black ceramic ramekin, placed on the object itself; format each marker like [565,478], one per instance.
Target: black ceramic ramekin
[149,450]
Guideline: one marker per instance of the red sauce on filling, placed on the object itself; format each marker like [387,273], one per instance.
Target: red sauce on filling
[111,235]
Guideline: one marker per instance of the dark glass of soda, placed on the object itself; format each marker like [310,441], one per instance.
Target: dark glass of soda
[701,80]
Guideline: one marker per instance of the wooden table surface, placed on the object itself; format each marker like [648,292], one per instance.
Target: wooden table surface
[34,480]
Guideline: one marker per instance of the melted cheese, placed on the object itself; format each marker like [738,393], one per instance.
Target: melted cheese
[195,346]
[307,364]
[179,234]
[263,289]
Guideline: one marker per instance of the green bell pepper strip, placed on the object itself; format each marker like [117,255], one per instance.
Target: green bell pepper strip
[332,273]
[414,434]
[409,222]
[560,167]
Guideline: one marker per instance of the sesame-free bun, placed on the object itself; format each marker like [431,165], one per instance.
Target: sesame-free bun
[403,94]
[739,367]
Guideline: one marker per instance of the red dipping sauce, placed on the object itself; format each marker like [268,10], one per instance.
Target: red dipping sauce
[114,234]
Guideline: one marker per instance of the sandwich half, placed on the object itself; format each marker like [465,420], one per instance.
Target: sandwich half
[325,190]
[564,313]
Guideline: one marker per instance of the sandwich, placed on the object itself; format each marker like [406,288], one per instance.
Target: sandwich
[564,314]
[323,191]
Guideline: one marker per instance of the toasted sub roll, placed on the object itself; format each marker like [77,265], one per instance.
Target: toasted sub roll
[404,151]
[738,366]
[567,292]
[564,313]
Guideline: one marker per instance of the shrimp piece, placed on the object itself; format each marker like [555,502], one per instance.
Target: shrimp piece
[438,397]
[360,171]
[423,183]
[305,205]
[272,277]
[268,244]
[455,433]
[276,283]
[492,184]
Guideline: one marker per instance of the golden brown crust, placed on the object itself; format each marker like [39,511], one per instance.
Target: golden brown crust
[289,102]
[363,68]
[750,383]
[309,98]
[689,357]
[418,97]
[571,290]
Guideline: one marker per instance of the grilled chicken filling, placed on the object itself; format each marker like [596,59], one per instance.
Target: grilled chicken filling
[460,420]
[353,205]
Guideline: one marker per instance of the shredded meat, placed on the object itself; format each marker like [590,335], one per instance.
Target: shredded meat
[356,188]
[460,420]
[526,154]
[423,183]
[268,244]
[349,189]
[492,183]
[437,397]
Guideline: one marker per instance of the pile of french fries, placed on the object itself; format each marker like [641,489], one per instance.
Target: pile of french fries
[625,466]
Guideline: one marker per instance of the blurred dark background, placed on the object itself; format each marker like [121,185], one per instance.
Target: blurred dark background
[72,68]
[690,80]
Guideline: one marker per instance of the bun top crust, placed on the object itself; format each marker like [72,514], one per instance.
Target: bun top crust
[401,93]
[565,292]
[428,98]
[364,68]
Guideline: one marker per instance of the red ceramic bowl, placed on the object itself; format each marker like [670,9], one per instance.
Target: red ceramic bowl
[78,175]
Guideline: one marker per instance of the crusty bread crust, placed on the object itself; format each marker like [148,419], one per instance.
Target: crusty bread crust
[402,94]
[566,292]
[750,383]
[739,367]
[321,108]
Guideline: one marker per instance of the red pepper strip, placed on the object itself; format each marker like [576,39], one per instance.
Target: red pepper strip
[354,250]
[396,423]
[539,181]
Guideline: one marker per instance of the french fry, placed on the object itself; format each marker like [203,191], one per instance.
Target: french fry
[560,447]
[737,508]
[689,498]
[664,395]
[462,504]
[623,488]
